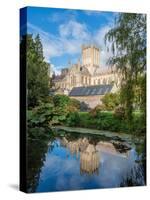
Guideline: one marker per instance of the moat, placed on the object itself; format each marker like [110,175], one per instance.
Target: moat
[71,161]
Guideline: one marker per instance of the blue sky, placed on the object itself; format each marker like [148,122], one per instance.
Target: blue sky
[63,31]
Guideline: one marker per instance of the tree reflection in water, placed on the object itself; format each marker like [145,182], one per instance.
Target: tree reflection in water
[137,175]
[36,151]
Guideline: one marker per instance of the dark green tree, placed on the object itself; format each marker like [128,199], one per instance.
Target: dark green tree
[37,69]
[39,47]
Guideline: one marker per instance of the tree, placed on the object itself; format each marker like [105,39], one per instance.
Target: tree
[37,69]
[128,45]
[111,101]
[39,47]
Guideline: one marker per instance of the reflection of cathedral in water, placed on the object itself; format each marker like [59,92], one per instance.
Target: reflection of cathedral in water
[89,160]
[90,153]
[89,157]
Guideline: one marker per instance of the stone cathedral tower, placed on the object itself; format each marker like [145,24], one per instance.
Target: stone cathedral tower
[91,57]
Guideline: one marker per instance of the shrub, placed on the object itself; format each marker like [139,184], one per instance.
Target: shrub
[39,133]
[73,119]
[70,108]
[66,104]
[111,100]
[42,114]
[48,99]
[106,121]
[119,112]
[61,100]
[96,111]
[75,103]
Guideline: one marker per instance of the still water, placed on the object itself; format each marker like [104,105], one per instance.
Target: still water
[71,161]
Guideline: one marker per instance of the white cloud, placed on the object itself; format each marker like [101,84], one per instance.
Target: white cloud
[71,36]
[74,29]
[52,45]
[69,40]
[100,40]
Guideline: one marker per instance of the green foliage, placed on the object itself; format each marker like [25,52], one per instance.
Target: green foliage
[105,121]
[96,111]
[138,126]
[73,119]
[53,111]
[39,133]
[119,112]
[66,104]
[75,103]
[40,115]
[61,100]
[37,69]
[128,44]
[111,100]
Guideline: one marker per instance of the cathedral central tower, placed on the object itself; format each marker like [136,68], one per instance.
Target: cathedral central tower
[90,57]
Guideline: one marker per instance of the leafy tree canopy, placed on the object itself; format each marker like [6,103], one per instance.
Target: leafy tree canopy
[37,69]
[128,45]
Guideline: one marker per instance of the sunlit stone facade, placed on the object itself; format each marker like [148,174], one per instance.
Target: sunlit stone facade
[87,72]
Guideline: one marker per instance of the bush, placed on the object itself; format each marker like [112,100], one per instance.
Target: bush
[73,119]
[66,104]
[40,115]
[70,108]
[119,112]
[75,103]
[111,100]
[39,133]
[103,121]
[96,111]
[61,100]
[106,121]
[48,99]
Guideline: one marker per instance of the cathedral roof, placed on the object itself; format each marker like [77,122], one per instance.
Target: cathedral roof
[91,90]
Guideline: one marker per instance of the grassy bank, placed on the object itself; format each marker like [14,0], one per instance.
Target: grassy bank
[105,121]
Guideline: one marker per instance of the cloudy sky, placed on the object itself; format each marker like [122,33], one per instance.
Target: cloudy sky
[63,31]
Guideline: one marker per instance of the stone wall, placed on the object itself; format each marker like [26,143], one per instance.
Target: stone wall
[91,101]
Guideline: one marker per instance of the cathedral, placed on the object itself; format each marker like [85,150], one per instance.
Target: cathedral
[87,81]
